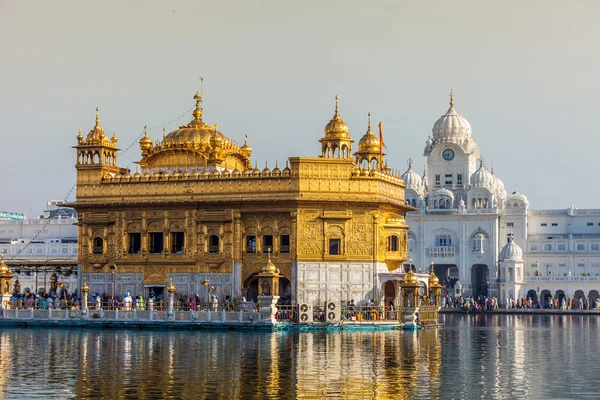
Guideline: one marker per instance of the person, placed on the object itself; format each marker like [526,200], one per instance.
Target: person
[192,303]
[215,303]
[151,303]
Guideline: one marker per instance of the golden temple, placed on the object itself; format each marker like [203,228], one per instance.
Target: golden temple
[198,211]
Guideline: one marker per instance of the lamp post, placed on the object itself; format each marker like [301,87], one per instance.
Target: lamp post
[84,297]
[113,269]
[205,283]
[171,292]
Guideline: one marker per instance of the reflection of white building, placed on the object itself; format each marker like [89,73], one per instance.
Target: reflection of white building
[52,238]
[466,217]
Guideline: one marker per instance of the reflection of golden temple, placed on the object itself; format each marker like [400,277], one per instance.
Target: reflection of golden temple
[198,210]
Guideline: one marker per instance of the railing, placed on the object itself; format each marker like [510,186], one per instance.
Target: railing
[286,313]
[371,313]
[428,315]
[562,278]
[442,251]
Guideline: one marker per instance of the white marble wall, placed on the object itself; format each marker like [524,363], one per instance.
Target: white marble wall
[103,283]
[318,282]
[190,284]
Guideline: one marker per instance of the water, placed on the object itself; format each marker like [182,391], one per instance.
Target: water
[507,356]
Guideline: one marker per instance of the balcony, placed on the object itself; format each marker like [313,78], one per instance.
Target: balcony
[442,251]
[562,278]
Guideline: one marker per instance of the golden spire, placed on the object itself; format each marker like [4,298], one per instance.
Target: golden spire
[336,128]
[85,288]
[114,136]
[269,267]
[145,142]
[97,117]
[336,115]
[451,98]
[80,137]
[171,287]
[198,111]
[369,127]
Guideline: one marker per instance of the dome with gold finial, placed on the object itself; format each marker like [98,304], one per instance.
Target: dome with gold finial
[433,279]
[410,277]
[269,266]
[246,150]
[145,142]
[451,125]
[97,136]
[336,127]
[369,143]
[4,270]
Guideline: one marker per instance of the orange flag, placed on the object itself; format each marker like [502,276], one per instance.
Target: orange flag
[381,135]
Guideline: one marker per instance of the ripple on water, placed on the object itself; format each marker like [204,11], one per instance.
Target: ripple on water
[517,356]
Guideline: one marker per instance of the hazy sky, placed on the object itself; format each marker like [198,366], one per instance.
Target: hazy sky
[525,74]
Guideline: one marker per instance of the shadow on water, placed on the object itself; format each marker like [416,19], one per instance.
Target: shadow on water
[483,356]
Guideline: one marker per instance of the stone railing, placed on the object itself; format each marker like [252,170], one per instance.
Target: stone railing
[562,278]
[442,251]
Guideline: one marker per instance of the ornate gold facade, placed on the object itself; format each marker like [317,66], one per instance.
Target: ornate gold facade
[213,212]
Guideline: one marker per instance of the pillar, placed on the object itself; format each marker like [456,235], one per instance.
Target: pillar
[171,293]
[84,297]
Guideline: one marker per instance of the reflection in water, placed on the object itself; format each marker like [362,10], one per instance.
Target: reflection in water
[517,356]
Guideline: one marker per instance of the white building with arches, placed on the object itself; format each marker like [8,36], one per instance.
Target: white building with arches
[467,217]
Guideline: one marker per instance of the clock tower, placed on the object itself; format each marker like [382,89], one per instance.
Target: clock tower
[452,156]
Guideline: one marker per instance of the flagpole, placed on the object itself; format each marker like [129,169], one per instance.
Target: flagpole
[380,147]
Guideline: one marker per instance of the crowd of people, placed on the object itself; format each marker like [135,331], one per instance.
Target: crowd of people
[485,303]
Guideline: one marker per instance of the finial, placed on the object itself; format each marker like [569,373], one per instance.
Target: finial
[424,170]
[480,162]
[114,133]
[431,267]
[516,188]
[286,164]
[410,163]
[97,117]
[201,87]
[276,163]
[164,132]
[336,106]
[269,254]
[266,164]
[369,127]
[451,98]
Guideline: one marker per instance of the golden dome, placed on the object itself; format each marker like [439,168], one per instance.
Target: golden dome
[433,279]
[245,149]
[171,287]
[369,143]
[3,267]
[336,127]
[276,171]
[266,171]
[269,267]
[195,134]
[97,135]
[85,288]
[410,277]
[145,142]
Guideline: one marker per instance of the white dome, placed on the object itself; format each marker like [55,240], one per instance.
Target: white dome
[443,192]
[511,252]
[451,124]
[411,179]
[518,197]
[482,178]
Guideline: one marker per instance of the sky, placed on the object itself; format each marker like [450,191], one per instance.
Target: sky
[525,74]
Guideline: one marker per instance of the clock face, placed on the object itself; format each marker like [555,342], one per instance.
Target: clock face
[448,154]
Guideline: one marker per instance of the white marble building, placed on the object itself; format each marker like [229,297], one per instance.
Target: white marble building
[466,217]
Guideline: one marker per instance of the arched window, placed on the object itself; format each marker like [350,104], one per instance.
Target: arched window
[392,244]
[474,203]
[413,203]
[213,244]
[98,245]
[479,243]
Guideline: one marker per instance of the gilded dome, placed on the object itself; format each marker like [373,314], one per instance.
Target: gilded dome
[369,143]
[145,142]
[410,277]
[336,127]
[97,136]
[246,150]
[195,134]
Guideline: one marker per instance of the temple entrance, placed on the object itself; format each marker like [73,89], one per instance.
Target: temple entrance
[480,279]
[389,292]
[560,295]
[447,274]
[154,290]
[531,294]
[250,289]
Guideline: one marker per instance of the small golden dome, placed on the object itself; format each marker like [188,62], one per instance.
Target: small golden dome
[96,136]
[225,173]
[196,173]
[146,175]
[269,267]
[247,171]
[433,279]
[137,174]
[171,287]
[266,171]
[3,267]
[369,143]
[215,173]
[205,173]
[79,138]
[336,127]
[85,288]
[245,149]
[410,277]
[185,174]
[176,174]
[255,171]
[236,173]
[145,142]
[286,171]
[276,171]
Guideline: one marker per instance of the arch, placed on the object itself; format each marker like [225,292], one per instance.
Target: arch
[479,241]
[579,293]
[474,203]
[435,203]
[592,296]
[392,243]
[98,245]
[413,203]
[532,294]
[96,157]
[560,295]
[411,241]
[480,279]
[214,242]
[345,152]
[374,163]
[545,297]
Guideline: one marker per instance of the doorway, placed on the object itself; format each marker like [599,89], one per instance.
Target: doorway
[480,279]
[157,291]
